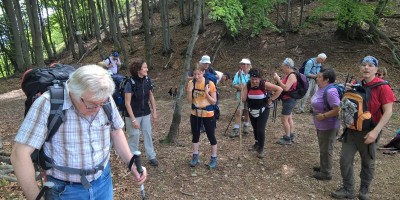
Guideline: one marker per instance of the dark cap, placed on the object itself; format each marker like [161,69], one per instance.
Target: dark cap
[115,54]
[255,73]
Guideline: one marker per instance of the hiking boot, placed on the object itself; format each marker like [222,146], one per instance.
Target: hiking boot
[213,163]
[339,138]
[245,130]
[292,137]
[342,193]
[153,162]
[235,133]
[253,148]
[285,140]
[322,177]
[195,160]
[363,195]
[316,169]
[260,154]
[299,111]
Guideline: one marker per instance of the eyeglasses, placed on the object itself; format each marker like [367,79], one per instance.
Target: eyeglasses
[92,106]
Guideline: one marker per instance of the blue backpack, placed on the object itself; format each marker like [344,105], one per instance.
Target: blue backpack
[341,88]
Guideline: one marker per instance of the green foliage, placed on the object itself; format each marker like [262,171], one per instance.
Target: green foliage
[348,13]
[255,17]
[241,15]
[228,11]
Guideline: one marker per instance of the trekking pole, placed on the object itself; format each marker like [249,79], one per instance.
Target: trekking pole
[232,118]
[46,186]
[138,164]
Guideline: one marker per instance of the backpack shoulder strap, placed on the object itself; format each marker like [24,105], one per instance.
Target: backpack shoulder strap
[57,114]
[108,110]
[325,96]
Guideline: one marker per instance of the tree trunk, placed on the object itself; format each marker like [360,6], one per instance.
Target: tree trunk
[44,37]
[77,31]
[112,23]
[147,34]
[184,20]
[130,35]
[119,37]
[202,27]
[63,29]
[95,21]
[53,47]
[16,41]
[102,14]
[177,116]
[70,31]
[301,13]
[21,34]
[121,14]
[165,28]
[32,10]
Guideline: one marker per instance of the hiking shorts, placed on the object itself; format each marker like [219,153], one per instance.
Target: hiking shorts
[288,106]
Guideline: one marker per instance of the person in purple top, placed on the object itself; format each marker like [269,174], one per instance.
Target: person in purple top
[325,121]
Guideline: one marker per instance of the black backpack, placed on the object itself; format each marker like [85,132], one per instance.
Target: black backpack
[118,96]
[37,81]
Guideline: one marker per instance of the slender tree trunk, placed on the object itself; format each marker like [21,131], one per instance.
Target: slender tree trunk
[77,32]
[70,31]
[16,41]
[184,20]
[165,27]
[128,19]
[147,34]
[101,6]
[122,14]
[202,25]
[112,23]
[32,10]
[53,47]
[177,116]
[44,37]
[23,37]
[301,13]
[63,29]
[95,21]
[119,37]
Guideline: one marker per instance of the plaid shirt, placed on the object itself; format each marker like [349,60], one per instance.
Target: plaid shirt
[79,142]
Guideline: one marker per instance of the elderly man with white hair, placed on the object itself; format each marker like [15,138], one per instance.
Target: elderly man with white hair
[312,68]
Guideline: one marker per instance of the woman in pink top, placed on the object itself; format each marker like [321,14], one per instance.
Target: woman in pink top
[288,83]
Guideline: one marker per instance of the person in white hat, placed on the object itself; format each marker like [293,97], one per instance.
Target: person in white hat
[312,68]
[209,71]
[239,82]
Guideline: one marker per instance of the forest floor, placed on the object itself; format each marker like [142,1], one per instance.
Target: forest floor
[286,171]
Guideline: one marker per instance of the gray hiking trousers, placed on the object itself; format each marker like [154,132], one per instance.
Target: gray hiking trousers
[353,142]
[134,135]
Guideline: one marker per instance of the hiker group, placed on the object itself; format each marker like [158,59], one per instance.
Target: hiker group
[366,106]
[75,124]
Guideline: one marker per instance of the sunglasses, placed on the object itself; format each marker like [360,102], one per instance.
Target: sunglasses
[92,106]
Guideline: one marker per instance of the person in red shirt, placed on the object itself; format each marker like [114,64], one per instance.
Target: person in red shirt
[380,105]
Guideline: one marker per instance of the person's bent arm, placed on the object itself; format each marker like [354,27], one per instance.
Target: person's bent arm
[122,148]
[24,170]
[373,134]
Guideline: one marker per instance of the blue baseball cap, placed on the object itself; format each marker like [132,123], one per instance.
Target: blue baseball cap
[370,59]
[115,54]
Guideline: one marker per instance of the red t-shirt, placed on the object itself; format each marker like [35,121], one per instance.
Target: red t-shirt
[380,96]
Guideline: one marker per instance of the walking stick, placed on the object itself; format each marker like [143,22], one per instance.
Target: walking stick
[138,164]
[232,118]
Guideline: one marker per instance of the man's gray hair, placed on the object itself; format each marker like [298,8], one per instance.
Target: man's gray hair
[93,79]
[322,55]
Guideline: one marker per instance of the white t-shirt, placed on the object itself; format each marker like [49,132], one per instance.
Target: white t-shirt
[220,74]
[114,64]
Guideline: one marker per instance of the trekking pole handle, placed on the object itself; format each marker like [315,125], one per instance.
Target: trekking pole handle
[138,164]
